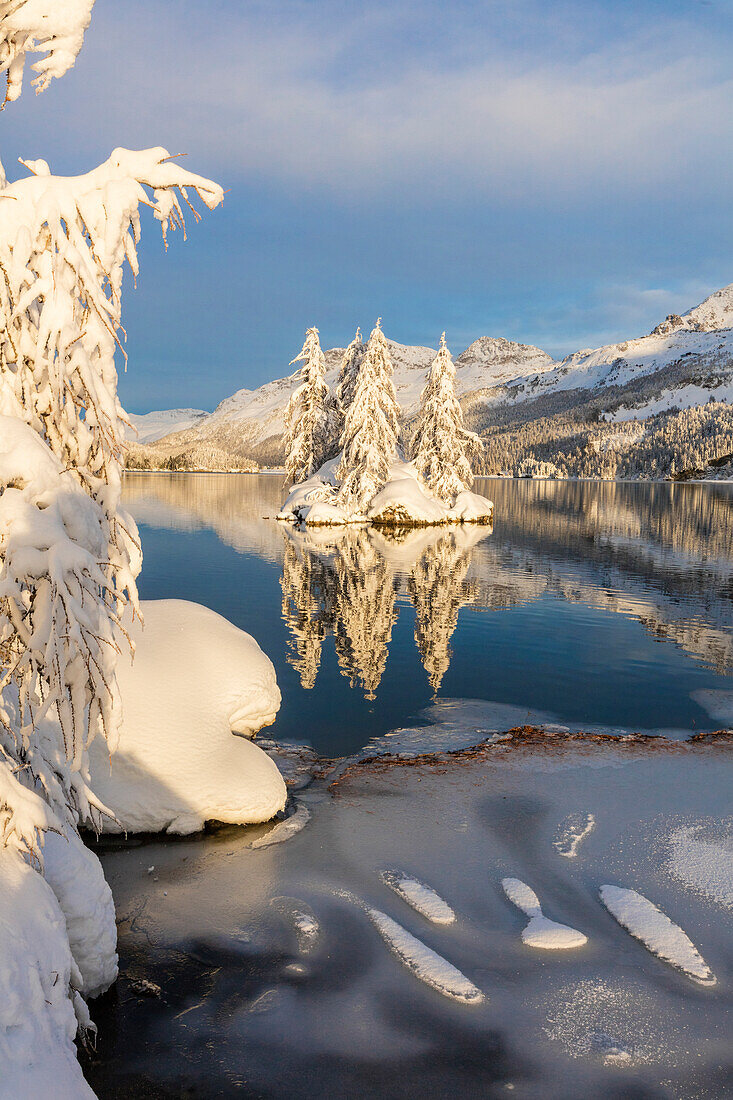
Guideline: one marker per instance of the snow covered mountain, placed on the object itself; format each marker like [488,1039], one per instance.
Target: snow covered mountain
[684,363]
[250,422]
[149,427]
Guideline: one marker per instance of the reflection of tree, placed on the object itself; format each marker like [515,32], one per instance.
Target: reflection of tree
[439,589]
[305,610]
[366,603]
[346,582]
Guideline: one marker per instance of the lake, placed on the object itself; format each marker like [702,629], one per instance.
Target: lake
[589,604]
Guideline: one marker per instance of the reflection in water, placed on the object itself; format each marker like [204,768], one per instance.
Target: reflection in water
[345,582]
[660,555]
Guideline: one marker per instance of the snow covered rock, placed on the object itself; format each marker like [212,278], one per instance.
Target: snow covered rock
[405,501]
[37,1017]
[195,679]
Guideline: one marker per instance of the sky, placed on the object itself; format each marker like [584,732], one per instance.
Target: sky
[552,171]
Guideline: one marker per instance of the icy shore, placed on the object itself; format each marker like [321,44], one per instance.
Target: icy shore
[301,968]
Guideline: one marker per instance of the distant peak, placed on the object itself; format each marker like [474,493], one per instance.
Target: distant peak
[715,312]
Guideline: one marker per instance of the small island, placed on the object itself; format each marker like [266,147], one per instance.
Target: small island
[345,459]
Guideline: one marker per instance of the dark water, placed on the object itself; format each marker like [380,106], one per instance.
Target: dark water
[593,604]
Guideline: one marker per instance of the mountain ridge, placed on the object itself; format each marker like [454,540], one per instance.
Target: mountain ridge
[684,362]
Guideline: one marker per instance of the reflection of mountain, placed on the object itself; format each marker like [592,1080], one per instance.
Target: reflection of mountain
[658,553]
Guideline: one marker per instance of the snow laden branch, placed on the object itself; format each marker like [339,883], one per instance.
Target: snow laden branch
[54,28]
[69,554]
[307,416]
[441,446]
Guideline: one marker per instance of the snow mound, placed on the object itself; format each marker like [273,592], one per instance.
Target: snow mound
[37,1017]
[571,832]
[656,931]
[541,931]
[75,875]
[419,896]
[423,962]
[195,679]
[405,501]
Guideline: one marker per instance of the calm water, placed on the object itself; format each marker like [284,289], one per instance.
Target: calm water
[602,605]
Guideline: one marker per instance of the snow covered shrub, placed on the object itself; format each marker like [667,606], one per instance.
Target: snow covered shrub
[307,417]
[441,446]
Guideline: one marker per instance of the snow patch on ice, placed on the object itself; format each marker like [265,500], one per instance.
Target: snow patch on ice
[195,679]
[541,931]
[423,962]
[304,922]
[704,863]
[648,924]
[617,1023]
[571,832]
[422,898]
[284,830]
[718,704]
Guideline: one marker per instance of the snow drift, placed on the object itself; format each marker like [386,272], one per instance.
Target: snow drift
[194,681]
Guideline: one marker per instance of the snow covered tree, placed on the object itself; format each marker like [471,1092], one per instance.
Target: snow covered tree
[371,429]
[348,373]
[69,554]
[307,435]
[441,446]
[51,27]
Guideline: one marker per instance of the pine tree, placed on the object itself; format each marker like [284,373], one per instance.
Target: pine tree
[371,430]
[348,374]
[441,445]
[306,417]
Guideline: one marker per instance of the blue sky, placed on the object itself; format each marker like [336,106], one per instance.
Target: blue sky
[554,172]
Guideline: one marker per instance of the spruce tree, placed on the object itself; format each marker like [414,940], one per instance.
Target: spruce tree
[306,417]
[371,430]
[348,374]
[441,445]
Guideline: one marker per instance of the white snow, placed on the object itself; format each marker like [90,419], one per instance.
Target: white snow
[149,427]
[195,679]
[423,962]
[284,830]
[422,898]
[75,875]
[38,1021]
[656,931]
[405,499]
[571,832]
[305,923]
[703,863]
[541,931]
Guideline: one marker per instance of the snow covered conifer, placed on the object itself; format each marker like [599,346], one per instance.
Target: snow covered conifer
[371,428]
[51,27]
[348,373]
[441,446]
[307,417]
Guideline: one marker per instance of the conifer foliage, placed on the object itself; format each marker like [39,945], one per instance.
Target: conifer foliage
[441,446]
[307,417]
[348,374]
[371,429]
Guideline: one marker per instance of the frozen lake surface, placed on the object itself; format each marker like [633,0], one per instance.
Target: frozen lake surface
[543,915]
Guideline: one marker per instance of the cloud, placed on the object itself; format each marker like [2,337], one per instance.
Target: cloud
[357,101]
